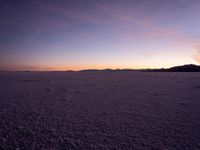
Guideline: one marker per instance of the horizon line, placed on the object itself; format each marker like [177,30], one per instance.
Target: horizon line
[88,69]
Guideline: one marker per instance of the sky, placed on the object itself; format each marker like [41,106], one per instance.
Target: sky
[98,34]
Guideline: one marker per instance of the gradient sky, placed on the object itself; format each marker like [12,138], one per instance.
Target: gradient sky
[86,34]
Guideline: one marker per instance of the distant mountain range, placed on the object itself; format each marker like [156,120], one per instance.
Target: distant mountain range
[184,68]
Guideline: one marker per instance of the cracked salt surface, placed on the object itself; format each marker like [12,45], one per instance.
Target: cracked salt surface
[105,110]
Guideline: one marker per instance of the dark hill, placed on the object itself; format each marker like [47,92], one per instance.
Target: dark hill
[185,68]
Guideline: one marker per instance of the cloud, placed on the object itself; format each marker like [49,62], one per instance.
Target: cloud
[197,55]
[124,22]
[59,16]
[13,67]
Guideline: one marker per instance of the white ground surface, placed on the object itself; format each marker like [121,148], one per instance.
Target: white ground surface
[100,110]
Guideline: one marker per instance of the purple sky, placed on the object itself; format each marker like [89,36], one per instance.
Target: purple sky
[85,34]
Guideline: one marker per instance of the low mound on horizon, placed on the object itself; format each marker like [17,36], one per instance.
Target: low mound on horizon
[183,68]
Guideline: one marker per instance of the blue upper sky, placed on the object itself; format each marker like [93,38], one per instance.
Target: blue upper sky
[83,34]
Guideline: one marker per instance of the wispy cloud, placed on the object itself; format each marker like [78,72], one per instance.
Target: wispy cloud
[123,25]
[12,67]
[197,54]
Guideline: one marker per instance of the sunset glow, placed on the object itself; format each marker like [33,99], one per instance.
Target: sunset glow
[86,34]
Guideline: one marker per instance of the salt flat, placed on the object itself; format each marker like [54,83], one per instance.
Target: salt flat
[100,110]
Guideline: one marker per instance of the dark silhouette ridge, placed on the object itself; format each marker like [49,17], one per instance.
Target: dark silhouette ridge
[108,70]
[184,68]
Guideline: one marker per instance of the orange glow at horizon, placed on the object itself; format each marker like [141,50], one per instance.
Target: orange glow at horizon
[75,68]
